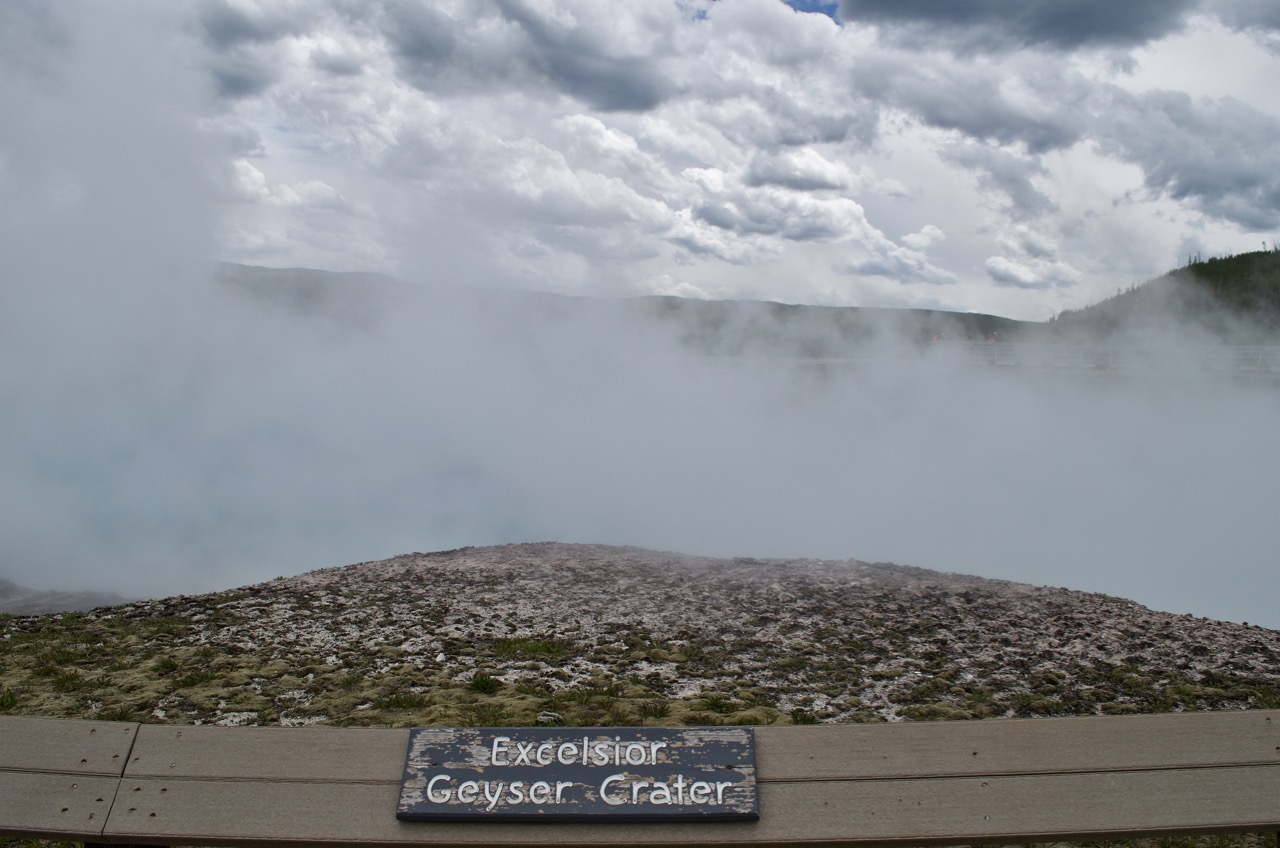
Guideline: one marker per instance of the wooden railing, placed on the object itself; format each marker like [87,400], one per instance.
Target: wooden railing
[1004,780]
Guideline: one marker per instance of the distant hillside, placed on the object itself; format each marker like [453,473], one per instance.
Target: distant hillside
[709,327]
[1233,299]
[738,328]
[587,635]
[18,600]
[353,296]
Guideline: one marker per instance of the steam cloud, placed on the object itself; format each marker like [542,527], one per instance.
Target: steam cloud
[162,433]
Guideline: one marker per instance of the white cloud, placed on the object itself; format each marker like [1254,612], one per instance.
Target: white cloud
[667,285]
[1030,273]
[674,136]
[1028,241]
[928,236]
[249,182]
[900,264]
[803,169]
[251,185]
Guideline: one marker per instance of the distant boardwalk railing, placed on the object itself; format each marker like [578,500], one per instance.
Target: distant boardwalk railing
[1003,780]
[1239,359]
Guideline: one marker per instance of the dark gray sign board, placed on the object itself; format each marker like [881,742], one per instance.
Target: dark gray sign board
[624,774]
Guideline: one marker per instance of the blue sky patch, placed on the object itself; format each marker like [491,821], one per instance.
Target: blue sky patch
[822,7]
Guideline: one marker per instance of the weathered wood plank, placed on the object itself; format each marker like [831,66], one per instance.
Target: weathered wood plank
[280,753]
[1019,746]
[53,806]
[918,749]
[874,785]
[1028,807]
[952,810]
[58,745]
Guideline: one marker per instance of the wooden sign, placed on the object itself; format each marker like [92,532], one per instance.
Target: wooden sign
[628,774]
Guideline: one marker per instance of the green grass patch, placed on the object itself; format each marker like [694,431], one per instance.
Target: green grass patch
[485,715]
[719,703]
[119,713]
[653,708]
[68,681]
[529,648]
[166,625]
[165,665]
[789,664]
[194,678]
[61,655]
[799,716]
[485,684]
[403,701]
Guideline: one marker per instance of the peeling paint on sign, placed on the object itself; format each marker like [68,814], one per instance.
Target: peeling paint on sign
[579,773]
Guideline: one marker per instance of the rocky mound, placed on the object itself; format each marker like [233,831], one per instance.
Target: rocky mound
[581,634]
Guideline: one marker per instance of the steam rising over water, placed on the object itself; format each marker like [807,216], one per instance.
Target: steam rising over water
[243,440]
[162,434]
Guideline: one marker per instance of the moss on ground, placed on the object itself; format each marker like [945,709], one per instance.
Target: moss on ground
[111,666]
[475,637]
